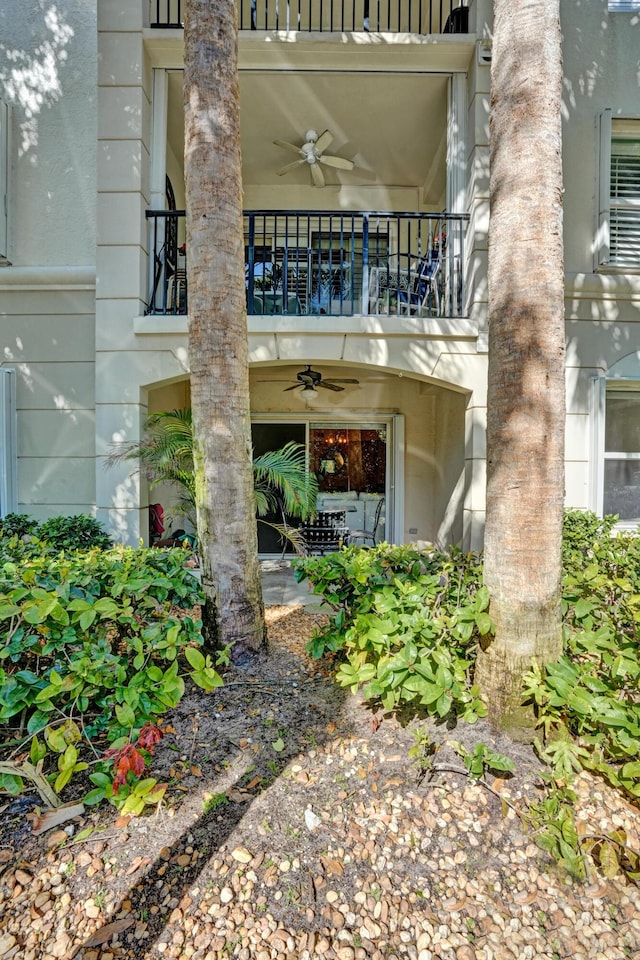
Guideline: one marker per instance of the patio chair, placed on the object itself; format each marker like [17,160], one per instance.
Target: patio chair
[326,533]
[422,296]
[365,535]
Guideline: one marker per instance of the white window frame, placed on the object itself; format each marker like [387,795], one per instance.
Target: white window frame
[8,442]
[600,455]
[5,140]
[608,129]
[394,487]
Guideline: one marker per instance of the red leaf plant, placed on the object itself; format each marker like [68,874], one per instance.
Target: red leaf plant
[128,759]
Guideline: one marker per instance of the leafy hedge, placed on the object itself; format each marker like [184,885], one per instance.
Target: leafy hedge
[96,648]
[407,622]
[59,533]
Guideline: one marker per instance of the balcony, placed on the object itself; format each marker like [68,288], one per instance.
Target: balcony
[324,263]
[333,16]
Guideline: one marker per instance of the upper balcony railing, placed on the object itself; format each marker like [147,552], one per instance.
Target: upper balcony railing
[351,16]
[324,263]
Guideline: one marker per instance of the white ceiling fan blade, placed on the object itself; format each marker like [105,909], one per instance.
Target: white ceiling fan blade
[287,145]
[324,140]
[338,162]
[290,166]
[317,175]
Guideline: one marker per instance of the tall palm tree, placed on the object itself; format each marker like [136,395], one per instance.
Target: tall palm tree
[282,482]
[218,339]
[526,402]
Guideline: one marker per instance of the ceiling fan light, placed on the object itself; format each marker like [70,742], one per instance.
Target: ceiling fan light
[309,393]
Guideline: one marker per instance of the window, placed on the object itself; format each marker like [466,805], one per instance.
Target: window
[621,481]
[8,454]
[4,178]
[618,242]
[622,6]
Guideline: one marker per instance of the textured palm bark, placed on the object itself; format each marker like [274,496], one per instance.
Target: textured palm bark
[218,343]
[526,391]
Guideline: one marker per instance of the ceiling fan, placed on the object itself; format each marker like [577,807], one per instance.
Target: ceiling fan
[310,379]
[312,152]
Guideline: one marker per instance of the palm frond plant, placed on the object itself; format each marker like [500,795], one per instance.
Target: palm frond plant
[281,480]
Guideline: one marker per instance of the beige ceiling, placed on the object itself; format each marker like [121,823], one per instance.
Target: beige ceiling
[392,126]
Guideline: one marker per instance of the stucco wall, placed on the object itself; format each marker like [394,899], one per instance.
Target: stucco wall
[48,66]
[600,52]
[47,335]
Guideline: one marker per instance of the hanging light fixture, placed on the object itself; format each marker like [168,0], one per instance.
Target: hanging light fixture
[308,393]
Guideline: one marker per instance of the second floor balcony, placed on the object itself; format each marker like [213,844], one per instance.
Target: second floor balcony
[327,263]
[332,16]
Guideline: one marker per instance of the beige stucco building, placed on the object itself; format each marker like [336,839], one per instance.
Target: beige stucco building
[369,268]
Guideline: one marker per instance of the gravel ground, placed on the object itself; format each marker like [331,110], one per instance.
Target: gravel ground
[296,827]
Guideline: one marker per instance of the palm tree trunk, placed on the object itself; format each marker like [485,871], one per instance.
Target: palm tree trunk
[218,344]
[525,403]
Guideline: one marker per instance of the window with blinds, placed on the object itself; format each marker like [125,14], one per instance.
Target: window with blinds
[618,236]
[624,239]
[623,6]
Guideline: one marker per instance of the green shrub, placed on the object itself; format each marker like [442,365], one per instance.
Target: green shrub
[407,622]
[591,695]
[74,533]
[60,533]
[17,525]
[96,646]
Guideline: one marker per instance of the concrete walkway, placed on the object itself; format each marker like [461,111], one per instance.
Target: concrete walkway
[279,586]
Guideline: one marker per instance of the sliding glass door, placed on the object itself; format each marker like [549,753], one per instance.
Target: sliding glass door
[354,463]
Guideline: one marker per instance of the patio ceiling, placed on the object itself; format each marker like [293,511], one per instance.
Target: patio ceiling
[392,125]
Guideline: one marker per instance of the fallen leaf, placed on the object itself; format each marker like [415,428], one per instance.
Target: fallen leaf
[254,783]
[109,930]
[54,816]
[243,743]
[123,821]
[195,771]
[56,838]
[278,745]
[136,863]
[5,855]
[332,866]
[331,727]
[236,797]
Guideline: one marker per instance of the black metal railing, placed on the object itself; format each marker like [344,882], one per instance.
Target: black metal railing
[352,16]
[319,262]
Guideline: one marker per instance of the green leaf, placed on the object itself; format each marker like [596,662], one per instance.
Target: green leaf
[278,745]
[483,623]
[11,784]
[126,716]
[133,804]
[37,752]
[582,608]
[62,779]
[482,599]
[195,658]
